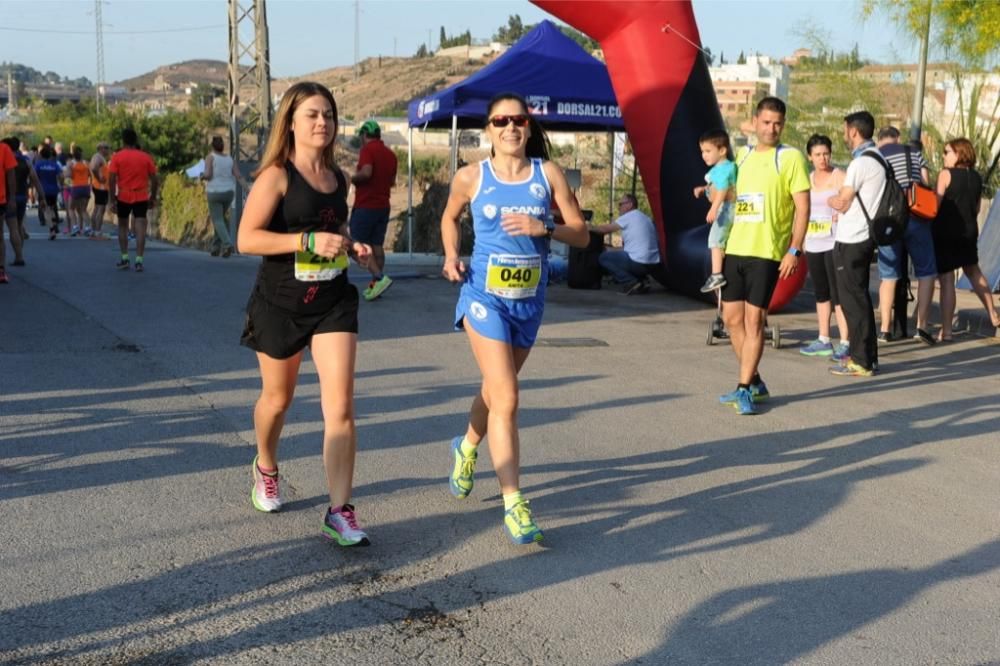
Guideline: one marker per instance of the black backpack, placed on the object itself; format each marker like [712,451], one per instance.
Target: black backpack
[886,226]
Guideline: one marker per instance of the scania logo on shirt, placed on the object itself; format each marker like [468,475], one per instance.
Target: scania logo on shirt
[537,191]
[527,210]
[490,211]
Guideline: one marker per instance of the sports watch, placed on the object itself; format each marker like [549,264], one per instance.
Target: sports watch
[795,252]
[550,227]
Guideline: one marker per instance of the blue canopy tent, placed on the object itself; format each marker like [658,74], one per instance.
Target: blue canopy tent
[566,88]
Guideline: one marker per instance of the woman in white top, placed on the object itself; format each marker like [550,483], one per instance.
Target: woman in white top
[220,176]
[826,181]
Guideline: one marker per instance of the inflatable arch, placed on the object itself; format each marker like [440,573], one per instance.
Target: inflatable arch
[663,87]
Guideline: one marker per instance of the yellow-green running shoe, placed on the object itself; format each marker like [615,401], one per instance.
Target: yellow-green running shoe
[463,467]
[521,527]
[376,288]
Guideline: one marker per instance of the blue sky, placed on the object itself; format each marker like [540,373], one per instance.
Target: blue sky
[308,35]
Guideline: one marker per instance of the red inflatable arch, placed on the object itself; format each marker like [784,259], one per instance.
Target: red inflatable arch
[667,100]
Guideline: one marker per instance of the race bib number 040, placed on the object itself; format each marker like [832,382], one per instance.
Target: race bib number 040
[749,207]
[310,267]
[513,275]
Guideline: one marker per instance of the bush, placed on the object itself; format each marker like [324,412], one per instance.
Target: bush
[183,216]
[427,224]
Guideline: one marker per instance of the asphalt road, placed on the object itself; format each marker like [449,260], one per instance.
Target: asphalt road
[853,522]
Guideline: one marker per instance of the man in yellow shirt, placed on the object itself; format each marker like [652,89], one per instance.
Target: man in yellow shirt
[770,216]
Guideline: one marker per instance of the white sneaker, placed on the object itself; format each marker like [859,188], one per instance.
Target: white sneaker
[265,494]
[342,527]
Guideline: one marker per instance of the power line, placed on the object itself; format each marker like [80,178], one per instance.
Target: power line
[111,32]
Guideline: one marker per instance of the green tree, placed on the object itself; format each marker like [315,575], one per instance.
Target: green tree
[741,59]
[966,31]
[442,38]
[510,33]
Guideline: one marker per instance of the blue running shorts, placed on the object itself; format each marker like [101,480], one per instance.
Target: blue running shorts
[515,323]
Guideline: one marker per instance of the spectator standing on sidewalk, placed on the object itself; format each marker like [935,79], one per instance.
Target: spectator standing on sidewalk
[770,218]
[908,165]
[956,232]
[854,248]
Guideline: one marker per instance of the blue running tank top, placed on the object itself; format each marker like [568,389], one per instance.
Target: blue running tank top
[513,269]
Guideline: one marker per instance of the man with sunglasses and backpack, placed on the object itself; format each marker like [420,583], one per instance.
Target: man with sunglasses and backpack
[858,200]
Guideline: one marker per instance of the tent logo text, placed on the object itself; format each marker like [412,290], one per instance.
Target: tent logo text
[594,110]
[427,107]
[538,105]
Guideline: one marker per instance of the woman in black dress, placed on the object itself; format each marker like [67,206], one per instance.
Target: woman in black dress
[955,231]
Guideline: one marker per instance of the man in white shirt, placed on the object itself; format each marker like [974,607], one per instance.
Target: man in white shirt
[854,246]
[640,255]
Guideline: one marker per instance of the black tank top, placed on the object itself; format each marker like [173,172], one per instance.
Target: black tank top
[303,209]
[956,217]
[22,176]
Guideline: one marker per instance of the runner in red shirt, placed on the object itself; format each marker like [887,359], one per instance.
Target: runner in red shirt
[132,191]
[374,178]
[8,187]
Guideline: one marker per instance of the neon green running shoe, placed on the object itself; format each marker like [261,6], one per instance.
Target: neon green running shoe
[376,288]
[521,527]
[460,481]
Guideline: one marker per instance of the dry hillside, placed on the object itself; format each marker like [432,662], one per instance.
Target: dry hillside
[178,74]
[386,85]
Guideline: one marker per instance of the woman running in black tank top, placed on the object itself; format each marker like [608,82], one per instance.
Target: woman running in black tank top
[296,218]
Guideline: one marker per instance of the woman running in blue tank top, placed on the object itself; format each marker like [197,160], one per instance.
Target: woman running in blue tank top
[503,291]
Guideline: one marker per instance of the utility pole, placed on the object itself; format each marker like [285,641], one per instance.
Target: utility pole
[917,115]
[99,85]
[357,39]
[11,91]
[249,117]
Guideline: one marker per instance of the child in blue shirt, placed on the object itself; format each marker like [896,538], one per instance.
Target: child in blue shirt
[719,188]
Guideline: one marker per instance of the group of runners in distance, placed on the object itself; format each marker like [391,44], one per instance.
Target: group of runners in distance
[124,183]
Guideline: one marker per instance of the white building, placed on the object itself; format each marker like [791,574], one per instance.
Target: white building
[955,103]
[757,69]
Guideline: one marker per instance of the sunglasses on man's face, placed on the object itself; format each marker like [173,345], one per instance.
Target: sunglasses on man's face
[503,121]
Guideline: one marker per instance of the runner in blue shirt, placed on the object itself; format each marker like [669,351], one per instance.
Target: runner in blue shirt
[49,173]
[503,291]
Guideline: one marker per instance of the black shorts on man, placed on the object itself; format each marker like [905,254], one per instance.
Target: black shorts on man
[137,208]
[749,279]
